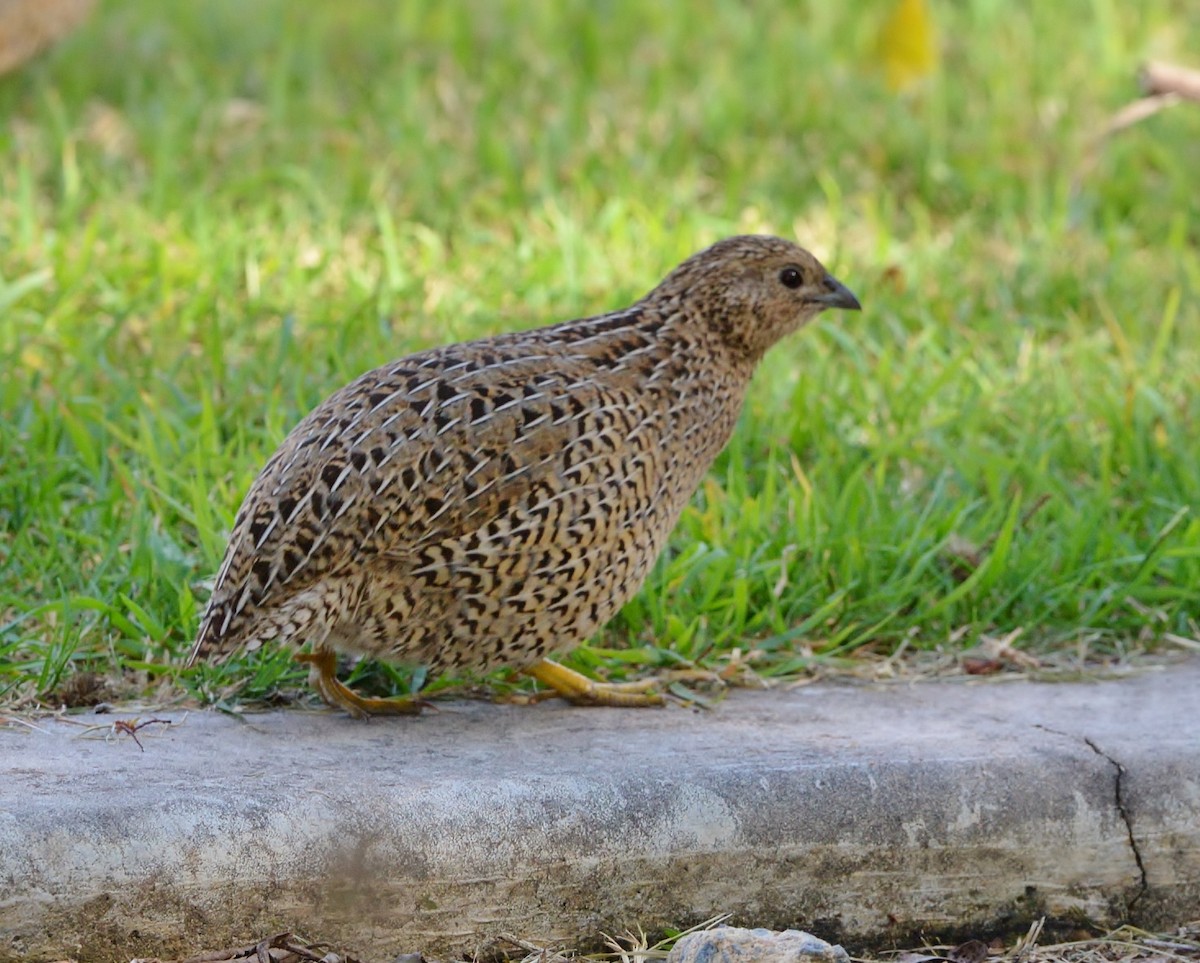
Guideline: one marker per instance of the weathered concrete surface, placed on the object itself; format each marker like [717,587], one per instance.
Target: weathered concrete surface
[849,811]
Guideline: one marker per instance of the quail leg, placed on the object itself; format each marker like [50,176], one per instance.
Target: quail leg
[322,676]
[583,691]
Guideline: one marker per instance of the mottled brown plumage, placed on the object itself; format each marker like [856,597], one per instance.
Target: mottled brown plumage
[487,503]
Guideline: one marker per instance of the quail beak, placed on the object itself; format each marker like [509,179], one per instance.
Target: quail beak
[836,295]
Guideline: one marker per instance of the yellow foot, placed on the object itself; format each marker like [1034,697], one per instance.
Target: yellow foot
[322,677]
[583,691]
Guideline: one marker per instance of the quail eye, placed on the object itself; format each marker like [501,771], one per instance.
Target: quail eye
[791,277]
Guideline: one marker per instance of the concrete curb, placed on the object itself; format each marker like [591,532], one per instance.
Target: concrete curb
[858,813]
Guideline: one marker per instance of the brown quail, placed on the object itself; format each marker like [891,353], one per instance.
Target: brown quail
[484,504]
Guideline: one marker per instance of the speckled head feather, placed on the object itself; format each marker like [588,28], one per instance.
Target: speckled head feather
[485,503]
[756,289]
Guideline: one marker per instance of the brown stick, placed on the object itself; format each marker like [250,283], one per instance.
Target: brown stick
[1138,110]
[1159,78]
[1163,85]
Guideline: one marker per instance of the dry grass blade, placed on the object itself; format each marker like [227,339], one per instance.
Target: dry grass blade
[972,951]
[280,948]
[1186,948]
[1026,945]
[629,947]
[637,948]
[537,954]
[6,720]
[1182,642]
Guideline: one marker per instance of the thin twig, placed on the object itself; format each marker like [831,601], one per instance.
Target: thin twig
[1160,78]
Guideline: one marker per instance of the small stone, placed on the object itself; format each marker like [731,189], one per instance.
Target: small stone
[730,944]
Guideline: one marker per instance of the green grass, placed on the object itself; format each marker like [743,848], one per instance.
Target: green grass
[210,218]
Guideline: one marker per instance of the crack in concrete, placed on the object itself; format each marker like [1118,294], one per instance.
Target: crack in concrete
[1122,809]
[1119,786]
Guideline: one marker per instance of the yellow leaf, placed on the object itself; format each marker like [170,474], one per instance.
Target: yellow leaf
[907,44]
